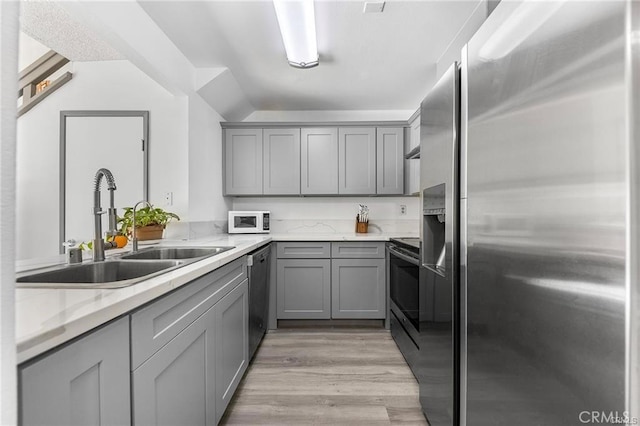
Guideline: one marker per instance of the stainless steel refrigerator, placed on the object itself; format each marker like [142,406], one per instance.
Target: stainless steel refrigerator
[437,364]
[544,207]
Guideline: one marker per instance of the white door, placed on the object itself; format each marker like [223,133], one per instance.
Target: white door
[114,143]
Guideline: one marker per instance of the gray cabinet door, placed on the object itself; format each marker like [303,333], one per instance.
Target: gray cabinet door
[232,344]
[390,160]
[176,386]
[281,150]
[304,288]
[243,161]
[84,383]
[319,161]
[356,160]
[156,324]
[358,288]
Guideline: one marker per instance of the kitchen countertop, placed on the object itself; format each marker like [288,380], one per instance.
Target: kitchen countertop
[46,318]
[339,236]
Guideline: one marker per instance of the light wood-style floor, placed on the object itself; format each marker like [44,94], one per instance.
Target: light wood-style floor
[327,376]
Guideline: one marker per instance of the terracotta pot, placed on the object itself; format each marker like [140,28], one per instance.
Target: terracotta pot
[150,232]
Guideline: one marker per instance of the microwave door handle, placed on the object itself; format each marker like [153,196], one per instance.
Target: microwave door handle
[404,257]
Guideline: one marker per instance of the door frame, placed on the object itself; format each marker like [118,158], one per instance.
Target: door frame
[63,154]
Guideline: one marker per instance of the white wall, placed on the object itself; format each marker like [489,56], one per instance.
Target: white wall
[8,78]
[30,50]
[364,115]
[452,53]
[206,202]
[107,85]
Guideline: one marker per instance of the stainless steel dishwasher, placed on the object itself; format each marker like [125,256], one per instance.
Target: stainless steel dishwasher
[259,269]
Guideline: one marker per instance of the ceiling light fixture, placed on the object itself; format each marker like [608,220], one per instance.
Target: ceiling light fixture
[298,28]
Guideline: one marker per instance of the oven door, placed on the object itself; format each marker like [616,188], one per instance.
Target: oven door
[404,284]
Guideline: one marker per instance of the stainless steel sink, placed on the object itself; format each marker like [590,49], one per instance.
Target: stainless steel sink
[125,270]
[175,253]
[107,274]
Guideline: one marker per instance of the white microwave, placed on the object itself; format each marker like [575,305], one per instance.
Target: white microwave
[256,222]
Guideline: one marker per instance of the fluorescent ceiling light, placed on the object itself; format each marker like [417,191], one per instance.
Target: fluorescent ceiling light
[298,28]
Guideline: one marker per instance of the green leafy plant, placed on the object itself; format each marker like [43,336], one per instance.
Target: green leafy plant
[145,216]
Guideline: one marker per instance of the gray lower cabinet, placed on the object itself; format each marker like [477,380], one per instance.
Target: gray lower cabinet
[231,344]
[83,383]
[303,288]
[323,280]
[189,349]
[358,288]
[176,361]
[191,380]
[176,386]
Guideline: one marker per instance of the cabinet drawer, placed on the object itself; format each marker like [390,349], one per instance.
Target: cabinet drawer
[357,250]
[156,324]
[304,250]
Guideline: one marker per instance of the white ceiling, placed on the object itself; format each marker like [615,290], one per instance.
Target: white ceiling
[383,61]
[51,25]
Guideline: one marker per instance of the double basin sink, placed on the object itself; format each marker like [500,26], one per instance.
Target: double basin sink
[117,272]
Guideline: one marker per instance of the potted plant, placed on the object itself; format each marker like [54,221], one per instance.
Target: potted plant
[150,222]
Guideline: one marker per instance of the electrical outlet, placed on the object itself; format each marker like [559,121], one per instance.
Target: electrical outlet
[403,209]
[168,199]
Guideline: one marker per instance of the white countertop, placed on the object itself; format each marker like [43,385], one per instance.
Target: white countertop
[46,318]
[339,236]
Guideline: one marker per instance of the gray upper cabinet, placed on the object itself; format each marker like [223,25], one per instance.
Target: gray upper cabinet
[412,167]
[176,386]
[356,160]
[84,383]
[319,161]
[281,161]
[390,160]
[243,161]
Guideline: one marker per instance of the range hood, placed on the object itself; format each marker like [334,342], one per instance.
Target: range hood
[413,154]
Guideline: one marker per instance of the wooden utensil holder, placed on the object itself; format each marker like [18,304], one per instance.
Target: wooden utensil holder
[362,227]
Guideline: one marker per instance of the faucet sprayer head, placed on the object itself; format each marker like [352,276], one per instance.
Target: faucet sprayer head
[111,182]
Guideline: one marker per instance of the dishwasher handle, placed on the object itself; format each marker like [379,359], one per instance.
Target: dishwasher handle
[259,256]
